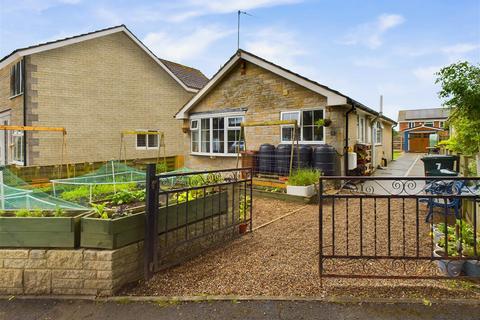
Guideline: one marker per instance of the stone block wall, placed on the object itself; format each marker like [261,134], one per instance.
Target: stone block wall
[69,272]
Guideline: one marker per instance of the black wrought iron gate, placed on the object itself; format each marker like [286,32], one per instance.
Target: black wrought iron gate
[190,212]
[398,227]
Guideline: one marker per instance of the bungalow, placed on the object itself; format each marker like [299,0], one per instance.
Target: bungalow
[95,85]
[249,88]
[418,126]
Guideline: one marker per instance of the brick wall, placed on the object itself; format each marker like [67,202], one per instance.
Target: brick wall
[96,89]
[69,272]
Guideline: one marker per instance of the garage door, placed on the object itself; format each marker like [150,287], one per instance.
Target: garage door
[418,142]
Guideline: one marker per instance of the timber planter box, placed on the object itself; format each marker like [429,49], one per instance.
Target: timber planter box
[119,232]
[41,232]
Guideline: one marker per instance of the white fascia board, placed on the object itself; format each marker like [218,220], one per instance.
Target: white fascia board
[183,113]
[332,97]
[62,43]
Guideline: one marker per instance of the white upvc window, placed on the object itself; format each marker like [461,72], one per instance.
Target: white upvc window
[147,141]
[378,132]
[428,124]
[17,142]
[16,79]
[361,129]
[216,135]
[411,124]
[308,131]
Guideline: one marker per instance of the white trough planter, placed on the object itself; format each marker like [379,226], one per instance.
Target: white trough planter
[302,191]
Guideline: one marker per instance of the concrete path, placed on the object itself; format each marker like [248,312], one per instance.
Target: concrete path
[243,310]
[408,164]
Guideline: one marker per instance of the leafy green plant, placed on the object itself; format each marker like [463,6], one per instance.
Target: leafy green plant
[3,213]
[161,167]
[22,213]
[37,213]
[82,194]
[304,177]
[244,207]
[126,197]
[100,210]
[323,123]
[59,212]
[182,196]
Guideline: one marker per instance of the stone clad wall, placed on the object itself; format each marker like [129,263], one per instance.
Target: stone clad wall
[69,272]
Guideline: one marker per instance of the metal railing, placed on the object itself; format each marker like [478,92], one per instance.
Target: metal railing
[190,212]
[397,227]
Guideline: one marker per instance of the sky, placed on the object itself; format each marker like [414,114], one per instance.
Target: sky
[362,48]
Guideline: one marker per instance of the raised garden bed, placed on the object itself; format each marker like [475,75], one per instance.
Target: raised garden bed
[40,232]
[118,232]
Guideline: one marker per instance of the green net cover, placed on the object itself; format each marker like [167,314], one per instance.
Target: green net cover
[17,194]
[108,179]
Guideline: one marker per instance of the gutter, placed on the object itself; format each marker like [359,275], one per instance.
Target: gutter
[24,80]
[345,152]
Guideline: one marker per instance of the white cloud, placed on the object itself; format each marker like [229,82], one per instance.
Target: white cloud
[460,51]
[370,62]
[34,5]
[183,47]
[426,74]
[279,46]
[371,34]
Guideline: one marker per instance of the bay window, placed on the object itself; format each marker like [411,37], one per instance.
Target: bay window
[308,131]
[216,135]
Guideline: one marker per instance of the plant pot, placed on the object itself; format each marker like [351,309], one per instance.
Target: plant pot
[451,268]
[242,228]
[472,268]
[437,235]
[302,191]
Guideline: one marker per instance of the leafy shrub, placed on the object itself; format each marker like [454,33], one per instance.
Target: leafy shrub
[161,167]
[21,213]
[126,197]
[82,194]
[304,177]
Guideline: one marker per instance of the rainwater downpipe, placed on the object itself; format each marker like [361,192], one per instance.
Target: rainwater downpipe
[24,81]
[345,152]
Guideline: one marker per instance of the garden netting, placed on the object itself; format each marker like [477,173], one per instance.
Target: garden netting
[110,178]
[17,194]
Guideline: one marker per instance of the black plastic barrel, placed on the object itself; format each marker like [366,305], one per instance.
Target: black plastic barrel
[282,158]
[302,157]
[266,158]
[324,159]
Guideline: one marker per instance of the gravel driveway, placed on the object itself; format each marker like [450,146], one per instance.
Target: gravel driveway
[281,259]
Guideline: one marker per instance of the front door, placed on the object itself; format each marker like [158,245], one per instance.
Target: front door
[4,120]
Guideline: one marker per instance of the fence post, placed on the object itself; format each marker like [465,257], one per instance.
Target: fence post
[151,216]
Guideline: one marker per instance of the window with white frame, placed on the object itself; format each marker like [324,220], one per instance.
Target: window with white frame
[147,141]
[428,124]
[16,79]
[17,141]
[411,124]
[216,135]
[378,132]
[361,129]
[308,130]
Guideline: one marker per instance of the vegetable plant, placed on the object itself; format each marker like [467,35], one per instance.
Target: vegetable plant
[100,210]
[304,177]
[21,213]
[244,207]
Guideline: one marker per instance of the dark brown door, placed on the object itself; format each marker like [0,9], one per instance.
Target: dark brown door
[418,142]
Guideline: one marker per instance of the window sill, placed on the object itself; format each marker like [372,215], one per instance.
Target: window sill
[17,95]
[18,163]
[214,155]
[146,149]
[303,142]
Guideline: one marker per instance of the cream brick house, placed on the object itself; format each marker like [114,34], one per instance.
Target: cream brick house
[251,89]
[95,85]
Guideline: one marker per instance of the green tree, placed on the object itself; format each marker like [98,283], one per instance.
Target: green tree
[460,91]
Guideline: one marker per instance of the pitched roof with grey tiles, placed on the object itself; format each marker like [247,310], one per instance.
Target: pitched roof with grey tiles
[190,77]
[419,114]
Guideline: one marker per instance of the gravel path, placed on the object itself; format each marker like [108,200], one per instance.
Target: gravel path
[282,260]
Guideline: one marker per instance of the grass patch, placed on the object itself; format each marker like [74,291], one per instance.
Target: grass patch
[397,154]
[304,177]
